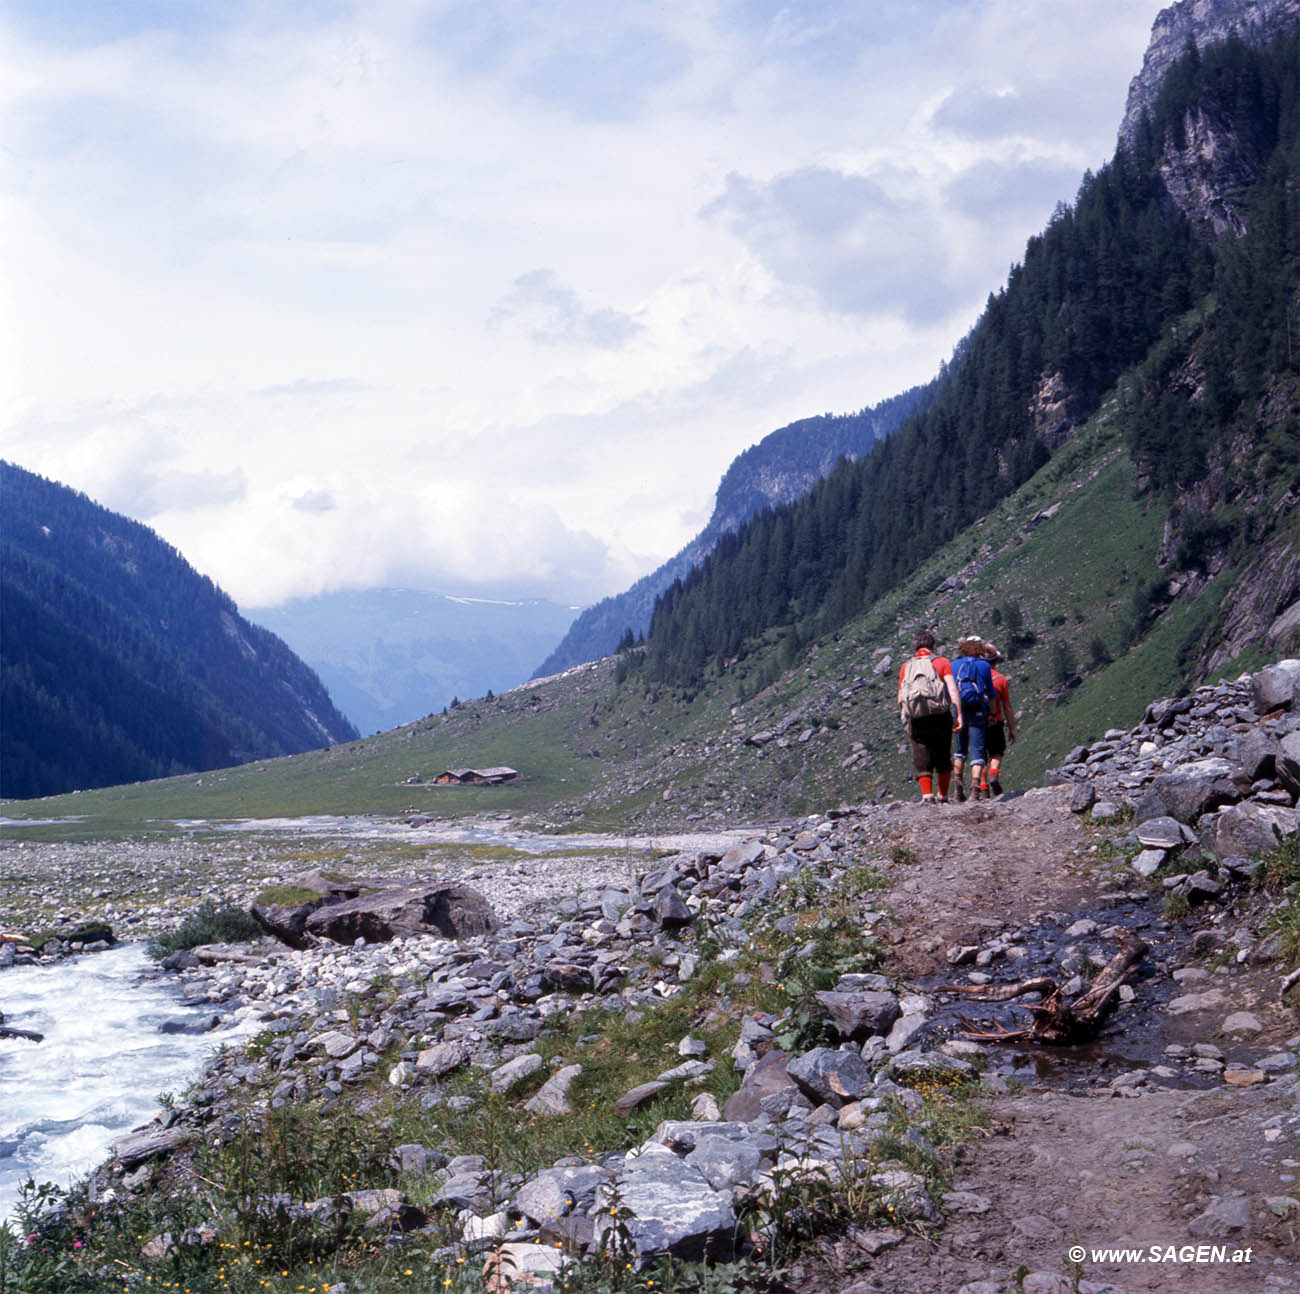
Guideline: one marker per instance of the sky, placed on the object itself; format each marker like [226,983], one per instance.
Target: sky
[483,296]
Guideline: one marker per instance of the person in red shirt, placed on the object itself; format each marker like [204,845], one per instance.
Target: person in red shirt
[1002,721]
[931,734]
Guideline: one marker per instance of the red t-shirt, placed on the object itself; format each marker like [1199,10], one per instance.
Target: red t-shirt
[1001,698]
[942,667]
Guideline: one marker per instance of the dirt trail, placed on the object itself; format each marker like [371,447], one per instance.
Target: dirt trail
[1098,1168]
[984,866]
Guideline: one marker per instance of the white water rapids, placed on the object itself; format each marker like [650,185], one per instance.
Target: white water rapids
[101,1067]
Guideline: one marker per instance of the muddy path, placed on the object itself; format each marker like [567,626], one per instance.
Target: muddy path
[1143,1141]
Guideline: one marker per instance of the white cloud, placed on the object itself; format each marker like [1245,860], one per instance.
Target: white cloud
[555,314]
[467,292]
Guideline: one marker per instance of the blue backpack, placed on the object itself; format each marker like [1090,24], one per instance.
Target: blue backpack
[974,678]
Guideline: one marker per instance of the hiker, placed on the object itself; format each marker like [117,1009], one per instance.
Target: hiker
[1002,719]
[930,709]
[974,679]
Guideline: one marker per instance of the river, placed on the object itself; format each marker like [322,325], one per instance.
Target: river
[102,1066]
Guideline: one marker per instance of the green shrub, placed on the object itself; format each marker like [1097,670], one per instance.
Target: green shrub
[209,925]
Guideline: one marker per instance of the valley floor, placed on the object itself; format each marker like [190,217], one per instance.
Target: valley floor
[1140,1141]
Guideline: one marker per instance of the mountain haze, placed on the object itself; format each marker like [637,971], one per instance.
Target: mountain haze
[119,662]
[782,466]
[391,655]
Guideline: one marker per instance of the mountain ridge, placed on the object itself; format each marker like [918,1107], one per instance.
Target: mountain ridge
[121,662]
[777,469]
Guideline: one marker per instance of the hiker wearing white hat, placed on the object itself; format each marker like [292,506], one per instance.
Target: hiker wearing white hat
[974,679]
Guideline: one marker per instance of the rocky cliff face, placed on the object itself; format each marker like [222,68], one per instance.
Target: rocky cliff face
[1206,22]
[1208,169]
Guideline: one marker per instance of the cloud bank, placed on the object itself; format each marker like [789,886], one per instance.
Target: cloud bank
[478,295]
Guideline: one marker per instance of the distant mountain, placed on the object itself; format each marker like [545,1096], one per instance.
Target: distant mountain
[389,656]
[119,662]
[784,465]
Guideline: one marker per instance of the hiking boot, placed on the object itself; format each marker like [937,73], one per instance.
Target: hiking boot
[976,793]
[961,794]
[995,786]
[927,799]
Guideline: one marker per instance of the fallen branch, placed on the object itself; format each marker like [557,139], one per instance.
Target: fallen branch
[1056,1021]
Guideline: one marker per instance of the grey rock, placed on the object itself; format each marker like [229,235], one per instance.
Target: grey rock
[832,1077]
[670,909]
[1036,1227]
[1243,1022]
[1257,755]
[913,1066]
[639,1096]
[1275,688]
[1225,1216]
[508,1076]
[150,1143]
[442,1058]
[1148,862]
[1082,798]
[766,1078]
[1246,829]
[859,1015]
[1105,811]
[559,1192]
[725,1163]
[430,907]
[552,1097]
[672,1208]
[1197,787]
[1163,833]
[414,1158]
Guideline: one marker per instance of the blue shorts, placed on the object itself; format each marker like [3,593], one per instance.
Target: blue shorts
[973,734]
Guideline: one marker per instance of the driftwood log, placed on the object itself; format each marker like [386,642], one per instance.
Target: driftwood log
[1055,1020]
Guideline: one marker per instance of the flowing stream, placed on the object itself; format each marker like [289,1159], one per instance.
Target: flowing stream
[115,1039]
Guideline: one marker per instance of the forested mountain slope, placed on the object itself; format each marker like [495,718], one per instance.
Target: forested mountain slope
[1196,317]
[784,465]
[119,662]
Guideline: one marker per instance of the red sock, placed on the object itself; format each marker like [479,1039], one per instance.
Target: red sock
[945,780]
[927,784]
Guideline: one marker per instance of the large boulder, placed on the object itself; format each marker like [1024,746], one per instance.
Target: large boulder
[284,909]
[418,908]
[859,1015]
[1243,830]
[1197,787]
[1277,687]
[831,1077]
[1258,754]
[669,1208]
[765,1079]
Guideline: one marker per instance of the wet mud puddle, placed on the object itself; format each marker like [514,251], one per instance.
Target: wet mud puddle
[1138,1033]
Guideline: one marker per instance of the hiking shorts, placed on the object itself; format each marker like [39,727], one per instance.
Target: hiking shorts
[931,738]
[971,737]
[997,739]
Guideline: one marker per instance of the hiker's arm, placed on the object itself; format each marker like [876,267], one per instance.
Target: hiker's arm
[1011,717]
[951,684]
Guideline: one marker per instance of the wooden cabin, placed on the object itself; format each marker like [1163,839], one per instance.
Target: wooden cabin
[475,776]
